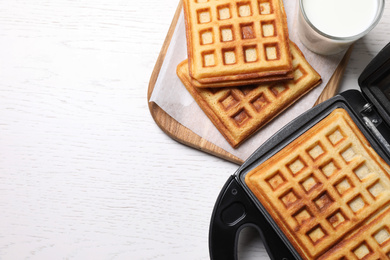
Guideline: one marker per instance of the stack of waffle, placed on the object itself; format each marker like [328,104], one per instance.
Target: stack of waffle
[242,69]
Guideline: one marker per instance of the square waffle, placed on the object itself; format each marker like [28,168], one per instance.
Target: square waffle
[236,40]
[236,83]
[329,192]
[238,112]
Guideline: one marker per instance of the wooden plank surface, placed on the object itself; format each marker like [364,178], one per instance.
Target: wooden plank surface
[86,173]
[184,135]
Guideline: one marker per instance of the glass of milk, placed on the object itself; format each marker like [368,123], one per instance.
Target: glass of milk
[330,26]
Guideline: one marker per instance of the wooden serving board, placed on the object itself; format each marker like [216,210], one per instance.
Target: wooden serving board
[184,135]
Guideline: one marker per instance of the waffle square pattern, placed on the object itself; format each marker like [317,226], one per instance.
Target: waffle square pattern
[329,192]
[236,40]
[238,112]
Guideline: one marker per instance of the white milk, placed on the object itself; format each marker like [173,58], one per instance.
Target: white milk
[341,18]
[330,26]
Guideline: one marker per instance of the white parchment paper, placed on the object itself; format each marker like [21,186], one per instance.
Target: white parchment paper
[171,95]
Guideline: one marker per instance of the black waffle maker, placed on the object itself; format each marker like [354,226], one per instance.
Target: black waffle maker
[236,206]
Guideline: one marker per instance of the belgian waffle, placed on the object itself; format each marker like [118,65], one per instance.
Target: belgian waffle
[329,192]
[236,83]
[235,40]
[238,112]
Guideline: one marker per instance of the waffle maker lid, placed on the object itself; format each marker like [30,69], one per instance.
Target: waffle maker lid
[374,82]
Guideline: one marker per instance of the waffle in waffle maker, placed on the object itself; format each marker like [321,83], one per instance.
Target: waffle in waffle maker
[320,187]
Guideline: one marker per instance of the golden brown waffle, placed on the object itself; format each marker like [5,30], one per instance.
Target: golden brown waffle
[238,112]
[329,192]
[370,242]
[237,83]
[235,40]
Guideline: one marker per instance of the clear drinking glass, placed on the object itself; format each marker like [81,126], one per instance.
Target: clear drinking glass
[318,41]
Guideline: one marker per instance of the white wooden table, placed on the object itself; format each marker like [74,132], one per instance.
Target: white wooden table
[85,173]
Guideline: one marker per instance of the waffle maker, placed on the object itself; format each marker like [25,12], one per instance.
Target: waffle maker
[237,207]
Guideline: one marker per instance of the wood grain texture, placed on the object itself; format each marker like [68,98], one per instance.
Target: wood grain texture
[85,172]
